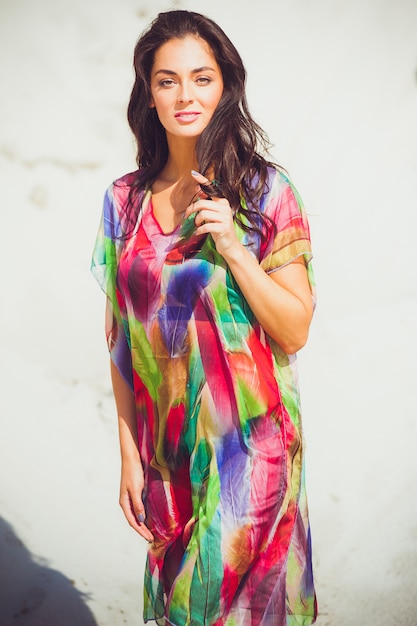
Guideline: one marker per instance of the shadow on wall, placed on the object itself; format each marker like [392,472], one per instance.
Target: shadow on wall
[32,594]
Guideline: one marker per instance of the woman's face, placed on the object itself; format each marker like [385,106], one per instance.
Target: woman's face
[186,86]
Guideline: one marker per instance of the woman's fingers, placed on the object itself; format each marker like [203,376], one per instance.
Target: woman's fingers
[213,215]
[135,515]
[216,210]
[199,178]
[131,486]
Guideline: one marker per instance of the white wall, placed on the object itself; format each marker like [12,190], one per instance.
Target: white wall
[334,84]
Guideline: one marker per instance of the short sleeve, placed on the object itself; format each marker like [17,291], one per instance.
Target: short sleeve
[292,238]
[104,267]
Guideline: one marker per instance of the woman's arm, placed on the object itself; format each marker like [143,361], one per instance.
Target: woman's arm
[132,478]
[281,301]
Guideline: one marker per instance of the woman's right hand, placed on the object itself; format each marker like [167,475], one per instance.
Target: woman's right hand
[131,488]
[132,479]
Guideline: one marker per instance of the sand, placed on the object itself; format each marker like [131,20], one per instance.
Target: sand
[334,84]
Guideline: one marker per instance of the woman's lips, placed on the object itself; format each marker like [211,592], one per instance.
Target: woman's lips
[187,116]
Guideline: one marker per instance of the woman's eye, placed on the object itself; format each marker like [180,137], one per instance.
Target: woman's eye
[203,80]
[167,82]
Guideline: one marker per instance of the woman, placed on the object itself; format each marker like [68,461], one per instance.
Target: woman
[204,255]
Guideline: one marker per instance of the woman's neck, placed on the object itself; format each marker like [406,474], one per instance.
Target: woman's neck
[181,160]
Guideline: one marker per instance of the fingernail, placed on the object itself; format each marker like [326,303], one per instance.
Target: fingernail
[141,518]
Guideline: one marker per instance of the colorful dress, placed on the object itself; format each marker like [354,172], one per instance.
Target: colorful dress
[218,414]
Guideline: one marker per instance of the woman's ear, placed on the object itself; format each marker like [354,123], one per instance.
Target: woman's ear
[151,104]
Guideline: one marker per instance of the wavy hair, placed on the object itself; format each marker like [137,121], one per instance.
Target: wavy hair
[231,146]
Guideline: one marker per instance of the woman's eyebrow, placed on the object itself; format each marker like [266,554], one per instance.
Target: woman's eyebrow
[204,68]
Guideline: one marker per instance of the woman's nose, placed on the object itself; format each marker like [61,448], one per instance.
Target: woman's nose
[185,93]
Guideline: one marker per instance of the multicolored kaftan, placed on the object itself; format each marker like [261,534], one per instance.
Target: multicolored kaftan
[218,415]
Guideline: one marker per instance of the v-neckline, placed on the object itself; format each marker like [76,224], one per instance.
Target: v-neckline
[157,223]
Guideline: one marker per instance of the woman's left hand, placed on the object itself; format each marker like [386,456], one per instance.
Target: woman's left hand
[214,216]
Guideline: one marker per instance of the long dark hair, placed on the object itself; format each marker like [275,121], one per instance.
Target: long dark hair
[230,146]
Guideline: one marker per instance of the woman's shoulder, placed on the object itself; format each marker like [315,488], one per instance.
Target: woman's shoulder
[276,181]
[121,198]
[127,181]
[277,178]
[121,189]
